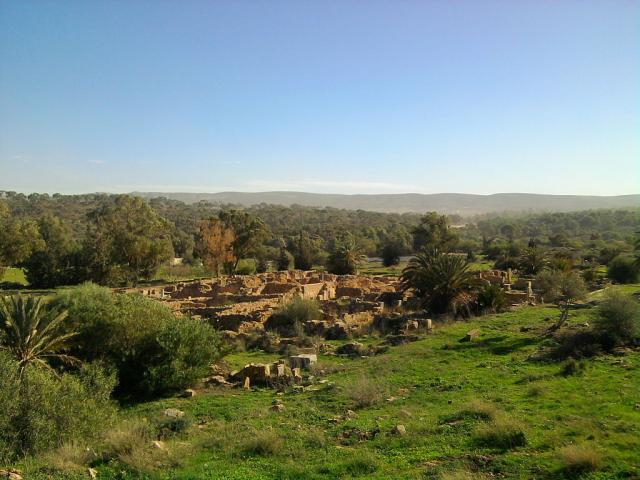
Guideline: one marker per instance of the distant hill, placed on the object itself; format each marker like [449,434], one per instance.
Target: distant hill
[460,203]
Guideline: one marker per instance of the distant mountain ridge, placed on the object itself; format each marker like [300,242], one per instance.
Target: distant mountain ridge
[460,203]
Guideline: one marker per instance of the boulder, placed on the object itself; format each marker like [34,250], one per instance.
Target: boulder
[303,361]
[173,413]
[217,381]
[337,331]
[399,430]
[352,349]
[188,393]
[257,373]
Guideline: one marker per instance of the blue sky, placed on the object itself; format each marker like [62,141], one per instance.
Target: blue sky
[324,96]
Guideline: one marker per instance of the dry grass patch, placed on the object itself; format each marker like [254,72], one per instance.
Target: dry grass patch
[502,433]
[263,443]
[365,392]
[71,457]
[578,459]
[479,409]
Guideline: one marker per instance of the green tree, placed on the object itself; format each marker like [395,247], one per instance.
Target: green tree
[345,256]
[19,238]
[391,254]
[563,288]
[434,231]
[442,281]
[58,261]
[532,261]
[33,333]
[623,269]
[126,241]
[285,260]
[303,252]
[249,230]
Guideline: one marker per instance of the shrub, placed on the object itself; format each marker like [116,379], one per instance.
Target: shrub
[42,411]
[577,345]
[153,351]
[288,319]
[491,299]
[618,318]
[579,459]
[623,269]
[572,367]
[501,433]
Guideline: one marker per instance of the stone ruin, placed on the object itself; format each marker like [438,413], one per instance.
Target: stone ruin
[517,292]
[243,303]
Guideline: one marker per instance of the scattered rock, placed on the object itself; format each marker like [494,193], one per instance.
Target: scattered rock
[401,339]
[471,334]
[278,407]
[11,474]
[637,407]
[173,413]
[188,393]
[93,473]
[399,430]
[247,383]
[349,414]
[217,381]
[337,331]
[159,445]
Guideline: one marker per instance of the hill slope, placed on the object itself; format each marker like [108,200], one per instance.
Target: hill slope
[457,401]
[464,204]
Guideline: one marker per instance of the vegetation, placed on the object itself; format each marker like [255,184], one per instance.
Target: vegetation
[468,408]
[345,256]
[442,281]
[41,410]
[32,333]
[288,319]
[623,269]
[153,351]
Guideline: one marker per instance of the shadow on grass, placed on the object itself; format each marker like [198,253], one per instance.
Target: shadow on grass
[498,345]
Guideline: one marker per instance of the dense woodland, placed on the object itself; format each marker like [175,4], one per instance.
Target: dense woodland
[119,239]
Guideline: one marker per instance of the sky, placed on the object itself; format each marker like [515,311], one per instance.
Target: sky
[475,96]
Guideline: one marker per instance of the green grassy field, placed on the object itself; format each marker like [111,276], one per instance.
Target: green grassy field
[426,386]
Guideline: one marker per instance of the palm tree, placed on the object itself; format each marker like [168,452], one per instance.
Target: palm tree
[442,281]
[345,257]
[32,333]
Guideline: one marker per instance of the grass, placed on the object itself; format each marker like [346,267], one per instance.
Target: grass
[451,401]
[579,459]
[14,275]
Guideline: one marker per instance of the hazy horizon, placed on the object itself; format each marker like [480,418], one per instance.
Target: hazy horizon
[465,97]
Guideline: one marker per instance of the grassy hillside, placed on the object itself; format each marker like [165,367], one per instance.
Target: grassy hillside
[459,403]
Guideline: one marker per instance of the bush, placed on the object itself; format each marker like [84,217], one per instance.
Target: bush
[618,319]
[41,410]
[501,433]
[572,367]
[623,269]
[153,351]
[288,319]
[580,459]
[491,299]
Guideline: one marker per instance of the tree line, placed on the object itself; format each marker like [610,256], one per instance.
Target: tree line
[121,239]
